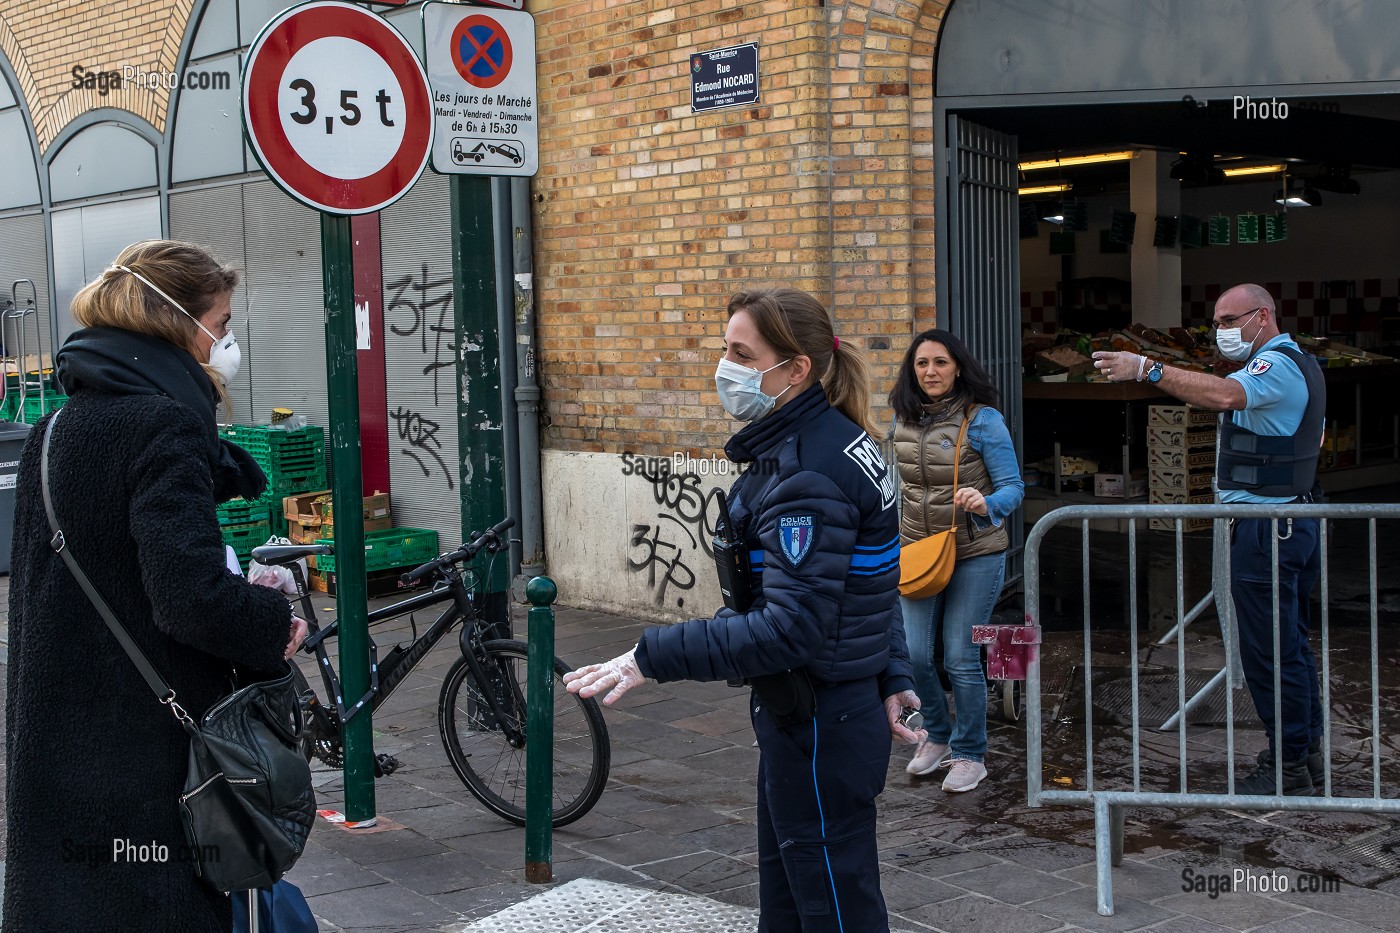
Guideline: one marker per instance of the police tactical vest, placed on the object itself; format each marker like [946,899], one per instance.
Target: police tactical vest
[924,454]
[1276,465]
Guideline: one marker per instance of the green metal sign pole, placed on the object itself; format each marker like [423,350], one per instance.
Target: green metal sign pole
[342,380]
[479,408]
[539,735]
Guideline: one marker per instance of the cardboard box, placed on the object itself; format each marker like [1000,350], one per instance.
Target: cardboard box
[1175,416]
[1117,486]
[1163,478]
[1161,496]
[327,528]
[1182,438]
[314,508]
[1175,458]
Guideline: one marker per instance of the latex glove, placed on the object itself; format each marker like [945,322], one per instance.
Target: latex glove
[616,676]
[1120,366]
[298,636]
[894,708]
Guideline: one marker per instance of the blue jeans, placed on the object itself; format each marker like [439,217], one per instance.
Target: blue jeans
[968,600]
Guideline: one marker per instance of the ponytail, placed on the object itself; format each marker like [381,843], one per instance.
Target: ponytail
[794,323]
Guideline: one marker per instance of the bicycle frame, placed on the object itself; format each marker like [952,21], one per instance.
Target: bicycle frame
[386,677]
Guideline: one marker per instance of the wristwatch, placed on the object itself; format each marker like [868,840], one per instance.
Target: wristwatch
[1154,371]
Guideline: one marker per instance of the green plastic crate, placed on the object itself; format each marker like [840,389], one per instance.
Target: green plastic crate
[34,407]
[289,484]
[394,547]
[243,538]
[242,512]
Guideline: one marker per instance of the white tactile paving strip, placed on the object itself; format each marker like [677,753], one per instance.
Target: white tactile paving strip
[606,907]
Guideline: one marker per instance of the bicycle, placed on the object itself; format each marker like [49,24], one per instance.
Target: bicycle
[482,709]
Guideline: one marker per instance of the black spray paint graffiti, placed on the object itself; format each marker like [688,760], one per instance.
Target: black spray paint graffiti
[443,331]
[421,435]
[694,512]
[430,303]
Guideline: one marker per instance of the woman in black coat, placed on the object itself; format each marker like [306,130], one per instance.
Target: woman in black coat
[96,762]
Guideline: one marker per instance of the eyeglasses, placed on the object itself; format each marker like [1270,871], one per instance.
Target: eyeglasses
[1232,321]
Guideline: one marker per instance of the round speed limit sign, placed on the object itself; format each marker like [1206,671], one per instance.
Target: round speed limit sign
[337,108]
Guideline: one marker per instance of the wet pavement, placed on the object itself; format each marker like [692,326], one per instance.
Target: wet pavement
[677,818]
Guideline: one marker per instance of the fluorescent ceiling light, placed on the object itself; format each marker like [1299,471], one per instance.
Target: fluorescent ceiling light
[1254,170]
[1091,159]
[1045,189]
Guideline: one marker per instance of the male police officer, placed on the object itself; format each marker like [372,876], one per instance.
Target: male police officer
[1268,454]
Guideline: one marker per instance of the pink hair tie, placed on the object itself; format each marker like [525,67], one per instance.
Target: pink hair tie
[835,342]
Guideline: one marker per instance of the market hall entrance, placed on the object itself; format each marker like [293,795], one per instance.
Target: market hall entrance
[1104,170]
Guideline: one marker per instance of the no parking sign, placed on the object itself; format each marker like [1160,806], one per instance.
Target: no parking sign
[336,107]
[481,64]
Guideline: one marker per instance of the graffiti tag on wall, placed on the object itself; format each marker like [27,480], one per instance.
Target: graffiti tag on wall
[686,520]
[422,307]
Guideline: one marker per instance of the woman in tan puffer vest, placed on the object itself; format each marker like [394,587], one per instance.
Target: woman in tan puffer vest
[939,385]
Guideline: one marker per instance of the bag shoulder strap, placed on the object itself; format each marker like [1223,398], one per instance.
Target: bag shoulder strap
[59,543]
[957,461]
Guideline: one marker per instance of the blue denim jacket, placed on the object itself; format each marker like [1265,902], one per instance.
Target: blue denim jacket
[988,436]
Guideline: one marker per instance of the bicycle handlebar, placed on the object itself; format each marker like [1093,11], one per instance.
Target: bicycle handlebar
[489,540]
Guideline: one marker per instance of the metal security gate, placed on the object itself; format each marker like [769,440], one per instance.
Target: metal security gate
[984,270]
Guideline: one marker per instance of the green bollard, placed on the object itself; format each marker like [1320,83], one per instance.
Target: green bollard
[539,736]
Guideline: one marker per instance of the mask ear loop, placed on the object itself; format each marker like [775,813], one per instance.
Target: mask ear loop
[173,303]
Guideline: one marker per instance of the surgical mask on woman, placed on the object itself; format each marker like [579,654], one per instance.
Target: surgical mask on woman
[1230,342]
[741,390]
[224,355]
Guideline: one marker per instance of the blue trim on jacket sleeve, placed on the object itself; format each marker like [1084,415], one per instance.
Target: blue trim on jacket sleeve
[993,444]
[877,548]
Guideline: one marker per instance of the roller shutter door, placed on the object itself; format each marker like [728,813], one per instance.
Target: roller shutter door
[419,324]
[23,255]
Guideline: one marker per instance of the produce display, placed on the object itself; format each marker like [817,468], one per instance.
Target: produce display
[1067,356]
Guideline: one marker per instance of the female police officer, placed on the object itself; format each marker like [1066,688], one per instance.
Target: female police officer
[820,640]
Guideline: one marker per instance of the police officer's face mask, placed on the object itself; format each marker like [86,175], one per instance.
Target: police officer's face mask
[741,390]
[1230,340]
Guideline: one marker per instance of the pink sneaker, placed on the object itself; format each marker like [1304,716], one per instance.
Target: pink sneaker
[928,757]
[963,775]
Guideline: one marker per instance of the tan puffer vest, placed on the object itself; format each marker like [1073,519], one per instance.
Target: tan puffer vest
[925,457]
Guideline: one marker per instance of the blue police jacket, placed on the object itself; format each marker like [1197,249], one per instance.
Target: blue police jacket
[816,507]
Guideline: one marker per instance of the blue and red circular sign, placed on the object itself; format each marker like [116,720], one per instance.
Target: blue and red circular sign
[337,108]
[481,51]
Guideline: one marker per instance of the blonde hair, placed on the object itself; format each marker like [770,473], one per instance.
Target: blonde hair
[794,323]
[184,271]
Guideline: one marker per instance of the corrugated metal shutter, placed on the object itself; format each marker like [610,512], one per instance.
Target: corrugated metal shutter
[286,305]
[416,244]
[213,218]
[23,255]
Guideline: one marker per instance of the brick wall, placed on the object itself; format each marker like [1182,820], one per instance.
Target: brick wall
[648,216]
[44,39]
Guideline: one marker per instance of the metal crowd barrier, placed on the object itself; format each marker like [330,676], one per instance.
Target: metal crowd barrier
[1109,802]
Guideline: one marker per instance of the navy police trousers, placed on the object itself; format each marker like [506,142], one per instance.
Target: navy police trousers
[1252,587]
[818,867]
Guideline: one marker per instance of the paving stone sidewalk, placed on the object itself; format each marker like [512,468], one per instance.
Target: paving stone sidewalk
[678,819]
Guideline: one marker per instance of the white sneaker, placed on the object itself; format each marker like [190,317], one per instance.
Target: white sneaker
[963,775]
[928,757]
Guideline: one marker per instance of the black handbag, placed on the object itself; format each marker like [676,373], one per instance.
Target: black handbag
[248,805]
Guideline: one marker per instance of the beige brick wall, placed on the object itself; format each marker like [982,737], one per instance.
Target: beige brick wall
[45,39]
[648,216]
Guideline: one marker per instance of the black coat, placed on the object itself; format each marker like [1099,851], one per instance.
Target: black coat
[94,759]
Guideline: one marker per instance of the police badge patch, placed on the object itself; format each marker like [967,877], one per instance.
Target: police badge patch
[796,535]
[1258,366]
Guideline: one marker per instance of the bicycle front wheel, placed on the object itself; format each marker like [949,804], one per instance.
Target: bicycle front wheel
[492,769]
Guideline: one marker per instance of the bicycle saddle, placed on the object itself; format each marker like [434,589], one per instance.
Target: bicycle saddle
[275,554]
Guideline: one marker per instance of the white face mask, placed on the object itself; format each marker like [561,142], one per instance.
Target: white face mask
[224,355]
[1230,342]
[741,390]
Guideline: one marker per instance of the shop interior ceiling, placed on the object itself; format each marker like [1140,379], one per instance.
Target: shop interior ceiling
[1307,138]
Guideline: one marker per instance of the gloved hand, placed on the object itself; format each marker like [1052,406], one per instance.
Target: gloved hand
[1120,366]
[894,708]
[620,674]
